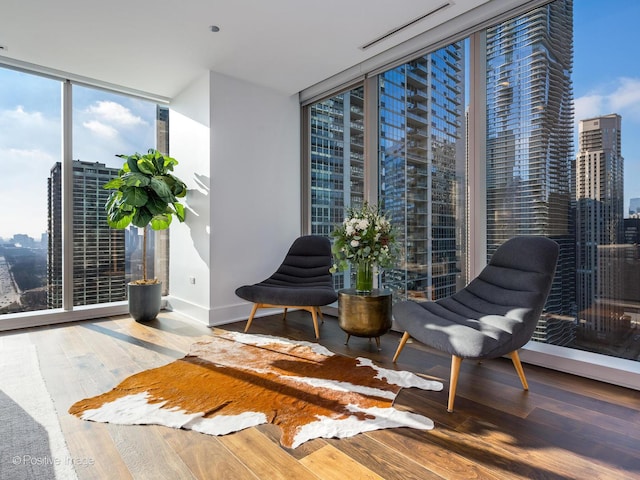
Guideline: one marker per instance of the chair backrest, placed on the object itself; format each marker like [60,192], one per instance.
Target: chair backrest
[515,283]
[307,263]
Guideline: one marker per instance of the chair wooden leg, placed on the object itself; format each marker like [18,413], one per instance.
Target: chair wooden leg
[320,314]
[515,358]
[314,314]
[284,314]
[453,383]
[403,340]
[253,312]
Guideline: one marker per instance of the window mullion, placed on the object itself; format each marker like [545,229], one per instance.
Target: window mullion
[67,196]
[476,159]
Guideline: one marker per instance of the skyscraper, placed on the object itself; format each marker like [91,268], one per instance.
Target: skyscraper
[98,250]
[337,161]
[422,168]
[529,141]
[599,221]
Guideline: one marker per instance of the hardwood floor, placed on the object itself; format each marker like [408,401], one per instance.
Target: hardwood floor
[565,427]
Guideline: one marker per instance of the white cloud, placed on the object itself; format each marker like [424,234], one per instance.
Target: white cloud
[115,114]
[627,95]
[588,106]
[100,129]
[621,96]
[22,117]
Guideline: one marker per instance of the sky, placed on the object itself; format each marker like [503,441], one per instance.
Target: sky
[606,74]
[606,79]
[104,125]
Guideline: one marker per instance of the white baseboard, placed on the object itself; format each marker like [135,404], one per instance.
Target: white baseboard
[604,368]
[216,316]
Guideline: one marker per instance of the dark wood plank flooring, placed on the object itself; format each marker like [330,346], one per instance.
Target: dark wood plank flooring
[565,427]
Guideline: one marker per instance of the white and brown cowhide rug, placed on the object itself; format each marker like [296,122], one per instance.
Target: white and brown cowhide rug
[232,381]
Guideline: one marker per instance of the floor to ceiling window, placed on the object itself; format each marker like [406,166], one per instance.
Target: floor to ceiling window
[30,145]
[105,260]
[337,162]
[422,171]
[564,167]
[530,146]
[102,124]
[558,158]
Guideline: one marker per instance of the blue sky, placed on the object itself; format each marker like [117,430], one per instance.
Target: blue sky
[606,74]
[606,79]
[104,124]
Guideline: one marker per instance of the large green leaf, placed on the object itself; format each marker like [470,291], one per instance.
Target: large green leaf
[179,208]
[118,219]
[146,165]
[155,204]
[113,201]
[169,163]
[114,183]
[135,196]
[160,222]
[132,163]
[142,217]
[135,179]
[159,185]
[158,163]
[178,187]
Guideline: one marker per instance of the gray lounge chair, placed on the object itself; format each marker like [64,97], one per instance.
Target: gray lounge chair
[302,281]
[494,315]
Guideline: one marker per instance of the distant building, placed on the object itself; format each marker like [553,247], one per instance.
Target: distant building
[634,206]
[599,224]
[98,250]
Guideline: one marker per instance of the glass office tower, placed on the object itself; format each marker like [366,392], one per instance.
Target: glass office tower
[530,172]
[422,172]
[337,162]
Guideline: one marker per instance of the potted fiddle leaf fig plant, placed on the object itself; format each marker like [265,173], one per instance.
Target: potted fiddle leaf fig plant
[145,194]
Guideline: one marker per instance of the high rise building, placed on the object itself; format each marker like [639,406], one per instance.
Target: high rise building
[98,250]
[422,169]
[337,162]
[529,143]
[599,222]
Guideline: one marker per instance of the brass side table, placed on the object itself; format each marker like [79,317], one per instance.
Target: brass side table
[364,315]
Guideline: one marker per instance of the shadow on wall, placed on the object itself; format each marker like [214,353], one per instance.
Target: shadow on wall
[198,200]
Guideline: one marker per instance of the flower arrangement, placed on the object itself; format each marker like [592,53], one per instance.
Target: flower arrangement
[365,239]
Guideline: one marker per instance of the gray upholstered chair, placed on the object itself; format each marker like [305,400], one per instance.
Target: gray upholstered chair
[302,281]
[494,315]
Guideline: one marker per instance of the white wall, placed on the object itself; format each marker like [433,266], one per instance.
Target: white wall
[238,145]
[190,145]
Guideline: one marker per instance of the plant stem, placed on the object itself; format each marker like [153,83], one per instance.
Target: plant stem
[144,253]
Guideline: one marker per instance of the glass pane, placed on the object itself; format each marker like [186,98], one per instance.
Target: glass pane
[422,171]
[587,201]
[337,163]
[104,259]
[607,166]
[30,146]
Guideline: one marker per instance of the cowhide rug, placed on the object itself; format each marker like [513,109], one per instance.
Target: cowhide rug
[232,381]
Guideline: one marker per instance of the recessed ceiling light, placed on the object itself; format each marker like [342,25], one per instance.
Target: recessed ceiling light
[214,28]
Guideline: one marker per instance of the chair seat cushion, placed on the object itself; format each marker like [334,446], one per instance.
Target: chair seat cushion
[440,326]
[290,295]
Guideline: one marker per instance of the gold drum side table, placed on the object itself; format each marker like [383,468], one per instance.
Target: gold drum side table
[364,315]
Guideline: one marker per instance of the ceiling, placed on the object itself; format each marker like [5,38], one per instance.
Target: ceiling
[160,47]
